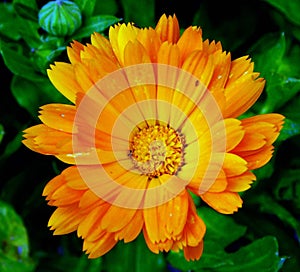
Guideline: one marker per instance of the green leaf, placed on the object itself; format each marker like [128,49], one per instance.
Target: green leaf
[94,24]
[216,223]
[134,256]
[268,52]
[70,263]
[17,63]
[9,20]
[26,8]
[12,147]
[14,249]
[268,205]
[86,7]
[142,15]
[290,129]
[280,89]
[2,132]
[277,65]
[31,94]
[106,7]
[47,52]
[291,9]
[264,172]
[9,265]
[291,110]
[261,254]
[29,32]
[288,189]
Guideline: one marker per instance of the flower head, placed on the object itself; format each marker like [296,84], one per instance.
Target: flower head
[154,117]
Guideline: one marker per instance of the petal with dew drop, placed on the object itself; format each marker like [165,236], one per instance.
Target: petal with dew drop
[59,116]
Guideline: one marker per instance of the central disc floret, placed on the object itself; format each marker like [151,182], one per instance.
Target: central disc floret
[156,150]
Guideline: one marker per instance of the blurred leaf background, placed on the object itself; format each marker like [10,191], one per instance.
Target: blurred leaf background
[264,235]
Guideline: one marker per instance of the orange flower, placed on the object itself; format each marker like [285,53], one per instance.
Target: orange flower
[153,117]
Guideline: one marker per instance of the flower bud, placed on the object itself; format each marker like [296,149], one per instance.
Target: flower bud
[60,17]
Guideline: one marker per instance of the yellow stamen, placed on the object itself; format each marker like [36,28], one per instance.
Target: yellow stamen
[156,150]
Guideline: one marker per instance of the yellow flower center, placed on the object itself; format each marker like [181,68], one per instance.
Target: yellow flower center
[156,150]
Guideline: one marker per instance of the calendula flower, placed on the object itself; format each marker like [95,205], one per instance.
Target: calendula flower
[154,118]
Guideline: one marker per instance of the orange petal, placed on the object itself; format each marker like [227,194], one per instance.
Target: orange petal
[59,196]
[53,185]
[194,229]
[268,125]
[190,40]
[220,183]
[90,228]
[242,94]
[240,183]
[239,67]
[221,62]
[168,28]
[90,199]
[119,36]
[257,158]
[225,202]
[74,51]
[64,220]
[200,65]
[116,218]
[234,165]
[132,229]
[234,133]
[135,53]
[193,253]
[101,246]
[150,41]
[64,79]
[104,47]
[167,220]
[58,116]
[47,141]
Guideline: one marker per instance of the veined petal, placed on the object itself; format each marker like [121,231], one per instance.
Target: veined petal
[168,28]
[104,47]
[150,40]
[193,253]
[48,141]
[242,94]
[260,133]
[64,220]
[63,78]
[119,36]
[74,51]
[101,246]
[234,165]
[190,41]
[225,202]
[132,229]
[234,133]
[240,183]
[59,116]
[90,227]
[239,67]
